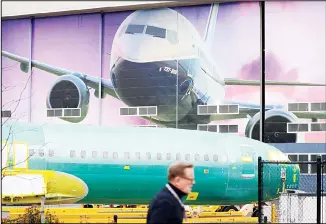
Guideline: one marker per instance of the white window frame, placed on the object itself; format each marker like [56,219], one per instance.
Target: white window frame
[287,127]
[315,123]
[310,106]
[147,107]
[309,159]
[287,107]
[63,112]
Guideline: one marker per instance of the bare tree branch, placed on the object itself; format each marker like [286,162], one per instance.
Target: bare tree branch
[20,96]
[11,132]
[5,145]
[12,102]
[10,66]
[7,88]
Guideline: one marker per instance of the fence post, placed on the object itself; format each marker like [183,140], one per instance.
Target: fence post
[260,189]
[42,210]
[318,189]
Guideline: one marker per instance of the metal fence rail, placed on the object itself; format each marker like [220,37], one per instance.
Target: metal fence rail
[293,205]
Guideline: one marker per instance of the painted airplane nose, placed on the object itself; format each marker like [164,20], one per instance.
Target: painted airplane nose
[144,48]
[65,188]
[130,51]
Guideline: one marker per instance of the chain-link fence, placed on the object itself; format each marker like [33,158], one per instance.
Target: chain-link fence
[295,197]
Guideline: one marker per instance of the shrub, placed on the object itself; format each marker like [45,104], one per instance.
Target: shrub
[31,215]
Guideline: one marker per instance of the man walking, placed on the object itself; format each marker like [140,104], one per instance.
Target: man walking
[167,205]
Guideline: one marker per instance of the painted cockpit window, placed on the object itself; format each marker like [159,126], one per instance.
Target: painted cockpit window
[135,28]
[170,35]
[156,31]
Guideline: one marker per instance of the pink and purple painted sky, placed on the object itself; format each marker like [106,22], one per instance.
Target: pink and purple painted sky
[295,51]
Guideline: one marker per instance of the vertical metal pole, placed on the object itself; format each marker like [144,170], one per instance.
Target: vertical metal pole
[262,58]
[101,27]
[29,94]
[318,189]
[260,189]
[265,219]
[42,210]
[177,83]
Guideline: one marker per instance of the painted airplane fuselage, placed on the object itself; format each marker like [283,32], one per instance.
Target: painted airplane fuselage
[128,165]
[159,59]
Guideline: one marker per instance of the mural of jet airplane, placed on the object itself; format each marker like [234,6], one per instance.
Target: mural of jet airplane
[177,77]
[90,164]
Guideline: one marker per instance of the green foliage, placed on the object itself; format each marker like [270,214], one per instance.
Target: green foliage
[31,215]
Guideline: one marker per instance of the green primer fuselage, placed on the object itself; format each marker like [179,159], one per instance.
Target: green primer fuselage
[128,165]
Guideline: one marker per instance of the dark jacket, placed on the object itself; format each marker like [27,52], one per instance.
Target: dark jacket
[165,208]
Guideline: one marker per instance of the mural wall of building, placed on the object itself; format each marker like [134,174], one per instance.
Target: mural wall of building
[166,65]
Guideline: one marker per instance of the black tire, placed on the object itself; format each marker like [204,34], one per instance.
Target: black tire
[88,206]
[255,213]
[230,208]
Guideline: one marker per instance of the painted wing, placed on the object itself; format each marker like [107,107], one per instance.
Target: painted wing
[210,26]
[241,82]
[91,81]
[248,109]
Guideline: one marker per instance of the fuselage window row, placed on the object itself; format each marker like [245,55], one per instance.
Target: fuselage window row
[115,155]
[148,155]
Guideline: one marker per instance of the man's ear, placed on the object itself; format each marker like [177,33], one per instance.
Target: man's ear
[177,179]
